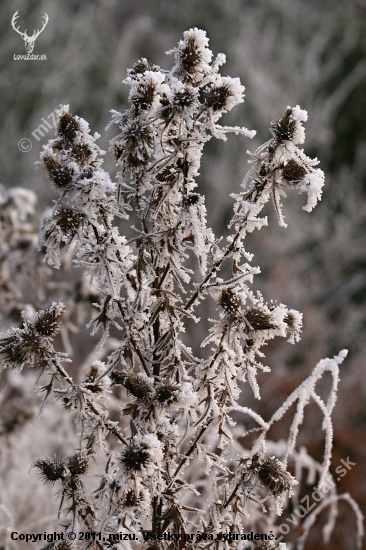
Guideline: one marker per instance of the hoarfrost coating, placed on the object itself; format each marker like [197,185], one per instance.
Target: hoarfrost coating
[177,463]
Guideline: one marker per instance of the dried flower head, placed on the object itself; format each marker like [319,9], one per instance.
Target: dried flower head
[117,150]
[216,96]
[135,457]
[259,319]
[68,126]
[284,128]
[60,175]
[166,175]
[135,384]
[167,394]
[23,346]
[141,66]
[192,57]
[69,220]
[189,56]
[143,96]
[136,141]
[293,171]
[263,170]
[81,152]
[183,98]
[47,322]
[272,474]
[293,320]
[50,470]
[229,301]
[77,464]
[93,374]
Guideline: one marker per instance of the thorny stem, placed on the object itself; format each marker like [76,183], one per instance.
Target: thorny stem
[190,450]
[141,357]
[107,423]
[214,268]
[166,271]
[231,496]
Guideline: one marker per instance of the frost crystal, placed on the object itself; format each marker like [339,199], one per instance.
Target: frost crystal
[158,455]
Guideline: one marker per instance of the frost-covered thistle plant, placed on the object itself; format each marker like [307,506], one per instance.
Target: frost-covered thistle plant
[177,465]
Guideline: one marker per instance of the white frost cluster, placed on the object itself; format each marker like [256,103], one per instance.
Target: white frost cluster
[279,165]
[180,407]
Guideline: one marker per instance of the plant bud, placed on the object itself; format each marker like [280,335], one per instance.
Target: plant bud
[68,126]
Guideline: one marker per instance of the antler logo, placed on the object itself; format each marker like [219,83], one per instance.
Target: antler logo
[29,40]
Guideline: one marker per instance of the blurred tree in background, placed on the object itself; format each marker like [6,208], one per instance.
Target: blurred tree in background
[285,52]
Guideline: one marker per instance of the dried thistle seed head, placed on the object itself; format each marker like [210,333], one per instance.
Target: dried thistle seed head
[216,97]
[117,149]
[138,139]
[12,353]
[144,95]
[229,301]
[291,321]
[50,470]
[69,220]
[68,126]
[183,99]
[284,128]
[24,347]
[259,319]
[93,373]
[47,322]
[191,199]
[131,498]
[77,464]
[135,384]
[191,56]
[61,176]
[141,67]
[81,152]
[293,171]
[135,457]
[167,394]
[272,474]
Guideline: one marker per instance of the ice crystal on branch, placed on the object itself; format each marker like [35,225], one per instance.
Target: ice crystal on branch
[159,460]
